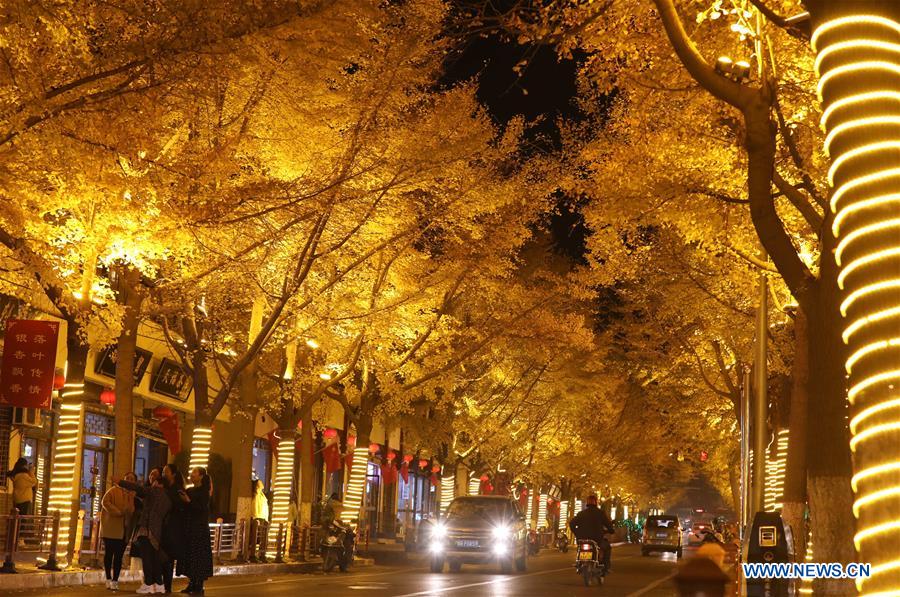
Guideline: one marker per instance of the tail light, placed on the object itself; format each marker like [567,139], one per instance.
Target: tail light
[585,547]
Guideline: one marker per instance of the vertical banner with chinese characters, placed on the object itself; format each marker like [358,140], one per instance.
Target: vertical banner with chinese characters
[29,363]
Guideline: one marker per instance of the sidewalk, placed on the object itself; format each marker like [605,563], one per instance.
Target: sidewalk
[29,577]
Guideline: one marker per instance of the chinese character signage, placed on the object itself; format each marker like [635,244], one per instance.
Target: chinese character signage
[29,363]
[170,380]
[106,363]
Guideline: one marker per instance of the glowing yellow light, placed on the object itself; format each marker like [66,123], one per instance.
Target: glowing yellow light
[850,20]
[474,485]
[859,181]
[878,529]
[776,467]
[873,431]
[879,569]
[542,511]
[871,381]
[867,290]
[578,506]
[859,152]
[865,260]
[855,100]
[563,515]
[876,496]
[284,483]
[529,511]
[872,411]
[200,444]
[847,211]
[874,471]
[62,496]
[312,343]
[871,318]
[855,67]
[356,484]
[448,485]
[855,44]
[325,376]
[860,232]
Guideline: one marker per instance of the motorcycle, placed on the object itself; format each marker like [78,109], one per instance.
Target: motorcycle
[589,562]
[562,541]
[534,543]
[337,547]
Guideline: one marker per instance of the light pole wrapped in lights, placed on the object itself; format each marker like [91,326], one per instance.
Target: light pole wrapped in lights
[448,483]
[66,463]
[775,472]
[201,440]
[857,48]
[474,484]
[356,484]
[529,512]
[542,511]
[284,481]
[563,515]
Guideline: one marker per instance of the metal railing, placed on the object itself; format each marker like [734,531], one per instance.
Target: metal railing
[244,541]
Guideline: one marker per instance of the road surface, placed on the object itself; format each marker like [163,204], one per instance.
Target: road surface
[549,574]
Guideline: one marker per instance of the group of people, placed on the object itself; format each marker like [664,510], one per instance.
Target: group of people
[167,525]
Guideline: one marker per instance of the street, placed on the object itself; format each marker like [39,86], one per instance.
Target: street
[550,573]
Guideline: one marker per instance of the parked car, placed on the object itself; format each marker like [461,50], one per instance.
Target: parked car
[662,533]
[480,529]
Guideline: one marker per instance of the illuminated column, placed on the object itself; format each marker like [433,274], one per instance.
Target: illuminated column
[448,482]
[200,443]
[775,471]
[40,469]
[474,484]
[806,584]
[284,482]
[542,511]
[529,512]
[858,64]
[578,506]
[65,478]
[563,515]
[356,485]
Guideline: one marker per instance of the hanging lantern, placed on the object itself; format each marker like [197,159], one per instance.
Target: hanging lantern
[162,412]
[108,397]
[59,380]
[374,448]
[408,458]
[391,455]
[484,478]
[436,468]
[423,463]
[351,441]
[331,434]
[299,425]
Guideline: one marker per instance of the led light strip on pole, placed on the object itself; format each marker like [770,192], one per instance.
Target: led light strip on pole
[858,65]
[447,485]
[201,441]
[542,511]
[356,484]
[563,515]
[529,512]
[578,506]
[66,463]
[284,482]
[775,472]
[474,484]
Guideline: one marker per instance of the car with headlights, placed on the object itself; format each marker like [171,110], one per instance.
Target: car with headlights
[699,528]
[479,529]
[662,533]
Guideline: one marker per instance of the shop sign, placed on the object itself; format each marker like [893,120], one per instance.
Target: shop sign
[106,363]
[29,363]
[170,380]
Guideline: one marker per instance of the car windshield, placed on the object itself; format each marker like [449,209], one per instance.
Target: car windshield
[490,509]
[662,523]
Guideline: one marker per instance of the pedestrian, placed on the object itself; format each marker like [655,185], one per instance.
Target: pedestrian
[198,558]
[331,511]
[173,534]
[260,504]
[148,534]
[23,482]
[115,517]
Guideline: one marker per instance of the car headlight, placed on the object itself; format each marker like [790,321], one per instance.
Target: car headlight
[331,540]
[502,533]
[438,531]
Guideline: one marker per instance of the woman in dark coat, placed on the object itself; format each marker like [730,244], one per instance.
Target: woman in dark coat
[198,564]
[148,532]
[173,532]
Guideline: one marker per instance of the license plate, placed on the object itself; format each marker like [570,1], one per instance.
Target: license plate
[467,543]
[585,555]
[663,535]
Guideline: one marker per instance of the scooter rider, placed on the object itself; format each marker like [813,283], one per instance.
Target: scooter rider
[593,523]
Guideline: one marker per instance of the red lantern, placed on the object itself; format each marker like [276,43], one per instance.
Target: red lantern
[59,380]
[373,448]
[108,397]
[484,478]
[391,455]
[330,433]
[299,425]
[408,458]
[163,412]
[423,463]
[436,468]
[351,441]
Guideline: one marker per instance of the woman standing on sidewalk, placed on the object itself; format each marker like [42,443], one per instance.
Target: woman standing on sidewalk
[23,482]
[118,507]
[173,532]
[198,559]
[148,533]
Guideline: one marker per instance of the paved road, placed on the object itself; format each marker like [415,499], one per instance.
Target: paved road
[549,574]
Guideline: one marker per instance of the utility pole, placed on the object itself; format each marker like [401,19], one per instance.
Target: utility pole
[760,399]
[745,449]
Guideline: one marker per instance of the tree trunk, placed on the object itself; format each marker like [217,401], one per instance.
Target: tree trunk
[828,460]
[131,296]
[795,475]
[307,478]
[734,482]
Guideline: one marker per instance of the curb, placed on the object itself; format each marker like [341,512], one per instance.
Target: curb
[46,580]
